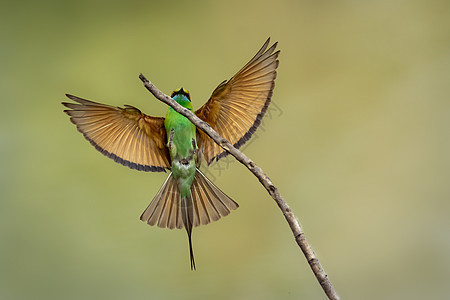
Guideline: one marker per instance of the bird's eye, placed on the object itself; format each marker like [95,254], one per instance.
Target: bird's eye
[181,92]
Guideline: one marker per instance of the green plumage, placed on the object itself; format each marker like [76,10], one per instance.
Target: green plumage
[182,133]
[181,137]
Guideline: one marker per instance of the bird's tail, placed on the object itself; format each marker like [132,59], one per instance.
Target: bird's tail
[206,203]
[187,215]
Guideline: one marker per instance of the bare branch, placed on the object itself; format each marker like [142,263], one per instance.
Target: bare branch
[263,178]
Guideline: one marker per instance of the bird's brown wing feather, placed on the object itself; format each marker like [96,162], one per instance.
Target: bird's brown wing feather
[236,106]
[125,135]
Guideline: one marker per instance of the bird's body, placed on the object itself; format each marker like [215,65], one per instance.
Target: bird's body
[187,198]
[181,136]
[184,130]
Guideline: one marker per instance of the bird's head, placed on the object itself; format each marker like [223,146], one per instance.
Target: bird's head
[182,97]
[181,94]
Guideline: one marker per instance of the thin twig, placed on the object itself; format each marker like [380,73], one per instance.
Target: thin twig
[263,178]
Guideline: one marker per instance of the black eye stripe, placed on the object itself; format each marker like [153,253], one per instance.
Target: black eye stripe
[181,92]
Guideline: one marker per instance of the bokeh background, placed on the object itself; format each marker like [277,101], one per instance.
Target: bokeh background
[357,141]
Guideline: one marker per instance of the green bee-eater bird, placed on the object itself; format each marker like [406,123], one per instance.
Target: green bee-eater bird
[187,198]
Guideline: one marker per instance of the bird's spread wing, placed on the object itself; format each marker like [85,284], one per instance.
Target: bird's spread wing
[124,134]
[236,106]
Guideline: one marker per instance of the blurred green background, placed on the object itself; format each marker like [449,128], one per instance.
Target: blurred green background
[357,142]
